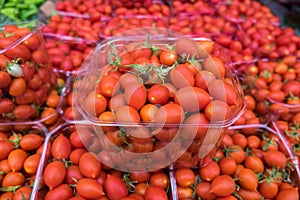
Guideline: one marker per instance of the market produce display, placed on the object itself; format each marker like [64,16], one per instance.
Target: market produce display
[56,94]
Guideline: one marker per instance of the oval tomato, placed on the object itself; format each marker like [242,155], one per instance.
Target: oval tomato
[13,179]
[192,99]
[169,114]
[247,179]
[135,94]
[115,188]
[160,179]
[108,86]
[62,191]
[221,90]
[89,166]
[155,192]
[61,147]
[181,76]
[31,141]
[222,185]
[54,174]
[185,177]
[89,188]
[16,159]
[158,94]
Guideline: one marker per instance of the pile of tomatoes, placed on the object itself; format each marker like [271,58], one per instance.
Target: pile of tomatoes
[43,154]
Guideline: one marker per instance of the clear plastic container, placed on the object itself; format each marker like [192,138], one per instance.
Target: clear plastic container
[67,53]
[146,8]
[181,141]
[190,8]
[72,28]
[237,12]
[23,158]
[127,24]
[290,173]
[88,9]
[270,82]
[202,26]
[29,78]
[68,130]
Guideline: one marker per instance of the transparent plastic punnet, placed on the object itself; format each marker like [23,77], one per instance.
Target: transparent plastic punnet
[152,140]
[25,64]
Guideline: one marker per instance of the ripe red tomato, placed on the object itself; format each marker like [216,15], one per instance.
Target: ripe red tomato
[221,90]
[215,65]
[115,188]
[16,159]
[254,163]
[192,99]
[17,87]
[31,163]
[89,188]
[54,174]
[108,86]
[203,190]
[223,185]
[181,76]
[5,148]
[185,177]
[23,193]
[217,110]
[268,189]
[160,179]
[89,166]
[127,114]
[62,191]
[135,94]
[168,57]
[95,103]
[155,192]
[169,114]
[61,147]
[13,179]
[274,158]
[158,94]
[227,166]
[31,142]
[203,78]
[210,171]
[247,179]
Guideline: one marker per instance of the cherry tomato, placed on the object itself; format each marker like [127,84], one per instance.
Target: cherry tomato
[168,57]
[89,166]
[247,179]
[62,191]
[169,114]
[181,76]
[108,86]
[192,99]
[222,185]
[54,174]
[61,147]
[185,177]
[115,188]
[155,192]
[158,94]
[89,188]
